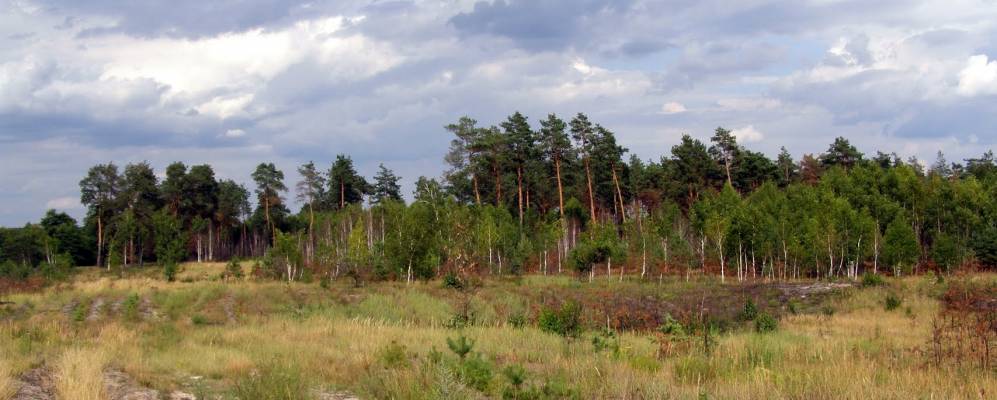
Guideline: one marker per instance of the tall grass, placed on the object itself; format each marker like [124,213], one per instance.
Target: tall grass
[79,374]
[8,386]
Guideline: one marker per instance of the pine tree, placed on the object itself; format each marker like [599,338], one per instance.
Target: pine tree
[386,187]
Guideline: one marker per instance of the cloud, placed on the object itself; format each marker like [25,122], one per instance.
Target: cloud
[672,107]
[235,133]
[236,83]
[748,134]
[979,76]
[64,203]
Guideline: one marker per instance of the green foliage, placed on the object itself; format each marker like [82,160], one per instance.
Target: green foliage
[750,311]
[870,279]
[476,372]
[393,355]
[766,323]
[900,246]
[273,381]
[606,339]
[564,321]
[517,320]
[670,326]
[460,346]
[233,269]
[892,302]
[129,307]
[452,281]
[199,319]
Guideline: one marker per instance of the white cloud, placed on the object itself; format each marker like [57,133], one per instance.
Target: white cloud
[748,134]
[63,203]
[235,133]
[673,107]
[978,77]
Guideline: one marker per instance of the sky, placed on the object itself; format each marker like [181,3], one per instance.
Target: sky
[236,83]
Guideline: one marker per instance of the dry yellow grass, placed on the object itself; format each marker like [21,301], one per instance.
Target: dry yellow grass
[8,385]
[79,374]
[861,351]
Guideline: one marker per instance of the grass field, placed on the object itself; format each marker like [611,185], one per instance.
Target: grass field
[270,340]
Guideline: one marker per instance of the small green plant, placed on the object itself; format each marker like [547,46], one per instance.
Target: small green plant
[766,323]
[892,302]
[827,310]
[516,374]
[393,355]
[170,271]
[793,306]
[198,319]
[460,346]
[670,326]
[565,321]
[273,381]
[870,279]
[80,312]
[606,340]
[130,307]
[476,372]
[452,281]
[233,270]
[517,320]
[750,311]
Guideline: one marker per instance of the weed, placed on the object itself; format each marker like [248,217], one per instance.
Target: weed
[461,346]
[870,279]
[517,320]
[750,311]
[199,319]
[393,355]
[272,381]
[766,323]
[565,321]
[606,340]
[670,326]
[80,312]
[892,302]
[129,307]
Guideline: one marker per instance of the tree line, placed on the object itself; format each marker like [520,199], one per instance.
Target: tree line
[554,197]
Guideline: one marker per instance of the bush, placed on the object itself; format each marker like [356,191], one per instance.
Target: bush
[517,320]
[130,307]
[461,346]
[606,340]
[870,279]
[766,323]
[170,271]
[750,311]
[274,381]
[476,372]
[670,326]
[393,355]
[233,270]
[565,321]
[198,319]
[452,281]
[892,302]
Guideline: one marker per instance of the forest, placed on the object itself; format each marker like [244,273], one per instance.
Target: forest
[554,197]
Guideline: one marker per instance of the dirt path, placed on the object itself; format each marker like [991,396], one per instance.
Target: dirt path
[36,384]
[96,309]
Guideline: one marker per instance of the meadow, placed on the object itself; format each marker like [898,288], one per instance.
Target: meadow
[137,336]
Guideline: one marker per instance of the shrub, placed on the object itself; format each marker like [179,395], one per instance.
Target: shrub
[198,319]
[452,281]
[461,346]
[273,381]
[870,279]
[170,271]
[793,306]
[476,372]
[233,270]
[130,307]
[766,323]
[517,320]
[750,311]
[606,340]
[393,355]
[516,374]
[670,326]
[565,321]
[892,302]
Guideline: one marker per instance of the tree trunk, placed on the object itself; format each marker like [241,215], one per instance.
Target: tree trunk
[477,194]
[100,242]
[519,185]
[588,177]
[619,194]
[560,189]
